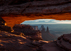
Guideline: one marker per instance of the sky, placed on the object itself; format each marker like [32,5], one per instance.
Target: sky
[46,21]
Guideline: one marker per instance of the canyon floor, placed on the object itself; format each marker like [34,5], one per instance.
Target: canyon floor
[25,38]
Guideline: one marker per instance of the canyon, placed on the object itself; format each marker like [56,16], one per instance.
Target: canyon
[16,11]
[25,38]
[21,10]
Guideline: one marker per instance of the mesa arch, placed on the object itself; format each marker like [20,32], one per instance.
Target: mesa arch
[11,20]
[14,11]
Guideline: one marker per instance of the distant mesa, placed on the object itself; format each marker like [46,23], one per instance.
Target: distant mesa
[42,28]
[31,40]
[46,35]
[35,27]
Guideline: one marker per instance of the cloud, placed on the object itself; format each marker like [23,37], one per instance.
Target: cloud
[47,21]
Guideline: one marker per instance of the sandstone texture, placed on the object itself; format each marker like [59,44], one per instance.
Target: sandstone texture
[2,22]
[6,28]
[65,42]
[18,41]
[22,7]
[13,42]
[28,31]
[24,37]
[38,9]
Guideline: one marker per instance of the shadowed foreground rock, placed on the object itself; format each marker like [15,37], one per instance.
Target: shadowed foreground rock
[6,28]
[13,42]
[65,42]
[17,41]
[2,22]
[28,31]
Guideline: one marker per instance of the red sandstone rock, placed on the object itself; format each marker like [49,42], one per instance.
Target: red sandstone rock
[6,28]
[66,45]
[67,37]
[28,31]
[14,7]
[2,22]
[51,47]
[16,41]
[17,33]
[12,42]
[65,42]
[16,2]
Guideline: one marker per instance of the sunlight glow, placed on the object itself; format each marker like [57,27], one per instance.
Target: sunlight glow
[47,21]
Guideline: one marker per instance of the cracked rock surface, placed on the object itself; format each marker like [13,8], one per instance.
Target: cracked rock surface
[22,7]
[18,41]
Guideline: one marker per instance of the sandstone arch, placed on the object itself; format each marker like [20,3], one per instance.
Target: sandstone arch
[14,12]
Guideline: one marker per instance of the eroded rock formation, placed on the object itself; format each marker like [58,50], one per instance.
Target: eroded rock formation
[2,22]
[14,41]
[65,42]
[36,7]
[46,35]
[28,31]
[17,41]
[60,9]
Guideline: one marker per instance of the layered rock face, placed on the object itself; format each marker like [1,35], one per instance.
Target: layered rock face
[17,41]
[16,2]
[34,8]
[28,31]
[6,28]
[65,42]
[62,44]
[22,7]
[14,41]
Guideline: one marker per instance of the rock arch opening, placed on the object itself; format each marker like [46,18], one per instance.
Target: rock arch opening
[11,20]
[50,29]
[15,11]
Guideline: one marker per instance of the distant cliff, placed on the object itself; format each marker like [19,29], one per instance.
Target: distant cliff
[46,35]
[35,27]
[15,40]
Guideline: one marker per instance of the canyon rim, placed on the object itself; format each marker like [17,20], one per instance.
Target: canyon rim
[16,11]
